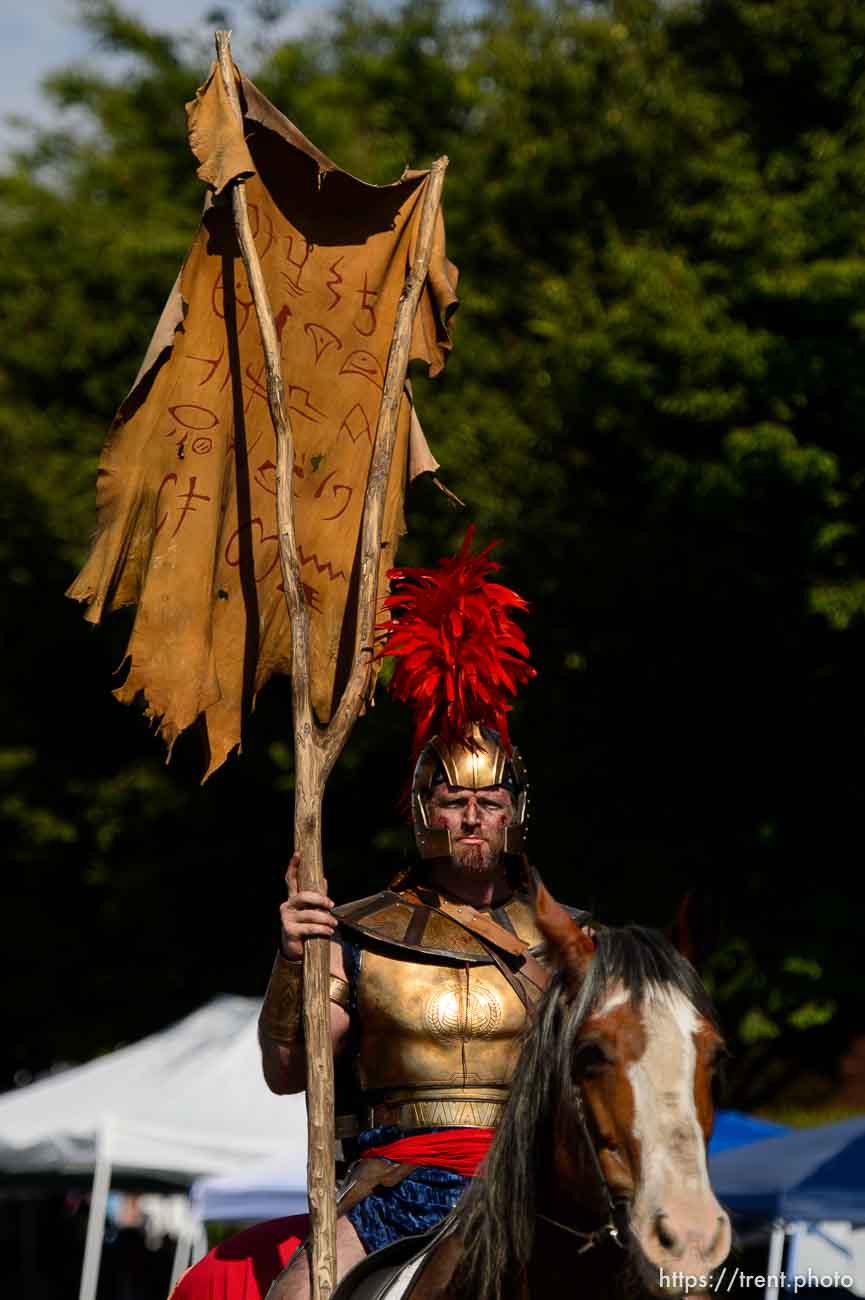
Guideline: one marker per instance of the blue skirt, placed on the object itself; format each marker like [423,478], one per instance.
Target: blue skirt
[415,1205]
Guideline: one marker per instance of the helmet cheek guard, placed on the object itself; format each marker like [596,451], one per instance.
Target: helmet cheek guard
[476,762]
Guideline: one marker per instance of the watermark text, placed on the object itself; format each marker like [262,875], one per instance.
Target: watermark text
[731,1277]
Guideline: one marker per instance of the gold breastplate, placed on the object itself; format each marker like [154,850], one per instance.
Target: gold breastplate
[438,1044]
[438,1023]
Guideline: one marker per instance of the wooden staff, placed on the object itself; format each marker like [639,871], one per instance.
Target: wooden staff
[317,749]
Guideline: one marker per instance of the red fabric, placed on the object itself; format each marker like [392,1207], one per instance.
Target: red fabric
[460,1150]
[243,1266]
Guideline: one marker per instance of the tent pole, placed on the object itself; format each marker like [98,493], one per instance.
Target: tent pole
[191,1247]
[794,1231]
[96,1217]
[776,1259]
[182,1252]
[199,1245]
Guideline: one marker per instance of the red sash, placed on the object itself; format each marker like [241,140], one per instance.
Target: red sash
[460,1150]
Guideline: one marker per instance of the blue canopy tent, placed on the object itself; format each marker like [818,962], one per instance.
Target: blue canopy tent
[814,1173]
[809,1176]
[733,1128]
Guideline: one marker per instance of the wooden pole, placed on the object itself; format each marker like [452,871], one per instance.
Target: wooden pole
[316,750]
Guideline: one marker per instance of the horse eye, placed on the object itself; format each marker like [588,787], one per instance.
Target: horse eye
[716,1074]
[719,1056]
[590,1060]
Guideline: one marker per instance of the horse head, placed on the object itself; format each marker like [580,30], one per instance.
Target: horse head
[638,1047]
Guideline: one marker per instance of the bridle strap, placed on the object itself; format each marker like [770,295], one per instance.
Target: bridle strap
[595,1158]
[589,1238]
[607,1229]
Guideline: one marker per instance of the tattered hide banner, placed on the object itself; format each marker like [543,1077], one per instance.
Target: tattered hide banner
[186,489]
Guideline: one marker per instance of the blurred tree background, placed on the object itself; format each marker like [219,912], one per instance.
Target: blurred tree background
[656,399]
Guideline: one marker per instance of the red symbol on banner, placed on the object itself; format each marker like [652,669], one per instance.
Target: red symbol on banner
[169,478]
[368,319]
[292,277]
[265,475]
[233,548]
[194,418]
[256,386]
[181,441]
[310,595]
[322,339]
[356,424]
[255,227]
[299,402]
[188,508]
[365,364]
[201,418]
[214,363]
[241,452]
[337,488]
[279,321]
[242,306]
[331,284]
[321,566]
[185,501]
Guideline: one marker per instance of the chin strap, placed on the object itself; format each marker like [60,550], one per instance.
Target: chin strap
[608,1229]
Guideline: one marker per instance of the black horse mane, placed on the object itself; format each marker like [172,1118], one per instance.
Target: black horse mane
[497,1213]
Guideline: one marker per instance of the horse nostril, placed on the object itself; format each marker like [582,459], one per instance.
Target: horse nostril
[720,1225]
[664,1232]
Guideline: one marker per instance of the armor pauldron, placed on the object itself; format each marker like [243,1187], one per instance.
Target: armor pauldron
[410,921]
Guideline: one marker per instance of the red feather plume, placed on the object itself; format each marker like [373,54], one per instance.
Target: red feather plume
[459,653]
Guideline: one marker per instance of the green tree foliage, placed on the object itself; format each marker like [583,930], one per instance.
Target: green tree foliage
[655,398]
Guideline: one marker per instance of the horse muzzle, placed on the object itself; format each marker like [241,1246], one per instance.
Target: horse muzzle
[685,1239]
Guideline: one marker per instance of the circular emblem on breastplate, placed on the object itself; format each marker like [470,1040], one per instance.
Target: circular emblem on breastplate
[445,1013]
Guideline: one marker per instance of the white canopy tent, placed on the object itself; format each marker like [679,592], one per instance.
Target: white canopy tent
[182,1103]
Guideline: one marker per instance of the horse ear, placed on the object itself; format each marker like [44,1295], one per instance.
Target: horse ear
[569,948]
[696,929]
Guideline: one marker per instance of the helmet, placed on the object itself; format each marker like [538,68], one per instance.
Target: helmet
[459,655]
[476,762]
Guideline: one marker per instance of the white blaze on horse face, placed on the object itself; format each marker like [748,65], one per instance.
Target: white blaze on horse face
[617,998]
[675,1215]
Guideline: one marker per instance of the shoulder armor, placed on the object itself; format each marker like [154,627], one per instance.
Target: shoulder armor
[518,914]
[401,921]
[405,921]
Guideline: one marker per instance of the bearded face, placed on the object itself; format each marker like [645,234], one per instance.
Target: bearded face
[477,821]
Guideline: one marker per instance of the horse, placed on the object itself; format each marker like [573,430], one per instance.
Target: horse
[596,1182]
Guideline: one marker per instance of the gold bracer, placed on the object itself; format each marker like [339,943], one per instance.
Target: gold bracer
[281,1015]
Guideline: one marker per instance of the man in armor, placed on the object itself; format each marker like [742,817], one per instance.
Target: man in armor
[431,984]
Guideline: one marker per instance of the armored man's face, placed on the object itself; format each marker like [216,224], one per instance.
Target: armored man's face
[477,820]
